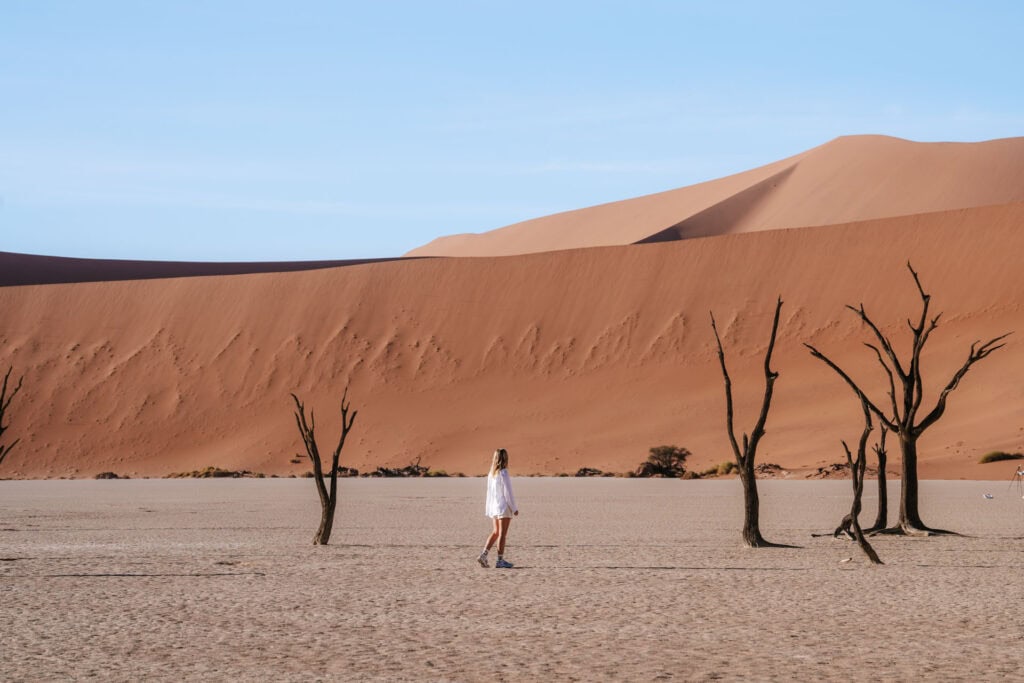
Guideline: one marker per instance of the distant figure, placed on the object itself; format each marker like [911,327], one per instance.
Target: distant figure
[501,507]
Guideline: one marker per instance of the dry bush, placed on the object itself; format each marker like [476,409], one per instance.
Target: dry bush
[664,461]
[998,456]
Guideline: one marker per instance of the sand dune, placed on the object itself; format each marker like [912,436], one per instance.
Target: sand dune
[570,358]
[851,178]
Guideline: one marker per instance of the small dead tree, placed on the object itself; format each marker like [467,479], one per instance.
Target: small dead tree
[745,455]
[906,392]
[851,522]
[882,518]
[5,403]
[328,497]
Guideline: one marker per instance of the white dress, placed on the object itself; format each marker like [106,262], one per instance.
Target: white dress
[500,501]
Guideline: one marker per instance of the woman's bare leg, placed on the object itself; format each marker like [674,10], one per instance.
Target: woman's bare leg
[501,528]
[494,536]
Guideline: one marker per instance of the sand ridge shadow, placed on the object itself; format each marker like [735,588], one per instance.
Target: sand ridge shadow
[32,269]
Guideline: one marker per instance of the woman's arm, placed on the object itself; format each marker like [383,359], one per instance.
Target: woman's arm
[507,483]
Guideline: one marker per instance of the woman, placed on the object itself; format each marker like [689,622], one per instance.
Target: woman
[500,507]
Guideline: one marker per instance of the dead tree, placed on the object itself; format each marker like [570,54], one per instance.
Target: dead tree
[851,522]
[328,497]
[882,518]
[745,455]
[906,392]
[5,403]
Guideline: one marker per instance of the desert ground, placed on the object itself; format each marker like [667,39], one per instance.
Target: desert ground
[615,579]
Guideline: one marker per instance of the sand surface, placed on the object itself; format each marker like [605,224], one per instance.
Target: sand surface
[614,580]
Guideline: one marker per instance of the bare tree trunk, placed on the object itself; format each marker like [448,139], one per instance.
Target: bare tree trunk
[327,503]
[905,395]
[858,533]
[323,533]
[857,469]
[328,498]
[751,508]
[882,517]
[745,456]
[909,521]
[909,517]
[845,528]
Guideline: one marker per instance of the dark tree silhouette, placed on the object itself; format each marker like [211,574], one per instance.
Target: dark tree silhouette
[664,461]
[851,522]
[328,497]
[745,455]
[906,392]
[882,518]
[5,403]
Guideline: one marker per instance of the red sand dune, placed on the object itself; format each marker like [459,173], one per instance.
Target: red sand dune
[848,179]
[567,358]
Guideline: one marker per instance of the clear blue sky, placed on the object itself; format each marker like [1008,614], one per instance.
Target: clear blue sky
[306,130]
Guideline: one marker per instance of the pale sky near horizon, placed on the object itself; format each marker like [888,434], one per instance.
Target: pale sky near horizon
[330,130]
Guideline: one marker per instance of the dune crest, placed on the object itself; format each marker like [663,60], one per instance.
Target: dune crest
[849,179]
[32,269]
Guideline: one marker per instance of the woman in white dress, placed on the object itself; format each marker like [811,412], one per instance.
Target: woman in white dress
[500,507]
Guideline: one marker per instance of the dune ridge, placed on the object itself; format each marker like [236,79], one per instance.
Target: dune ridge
[32,269]
[851,178]
[574,358]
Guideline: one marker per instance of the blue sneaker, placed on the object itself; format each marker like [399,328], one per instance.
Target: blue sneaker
[482,559]
[502,563]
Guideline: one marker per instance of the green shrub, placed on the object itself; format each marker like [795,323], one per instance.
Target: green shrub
[216,472]
[719,470]
[996,456]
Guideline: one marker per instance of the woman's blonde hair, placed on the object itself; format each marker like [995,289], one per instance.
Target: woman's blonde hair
[500,461]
